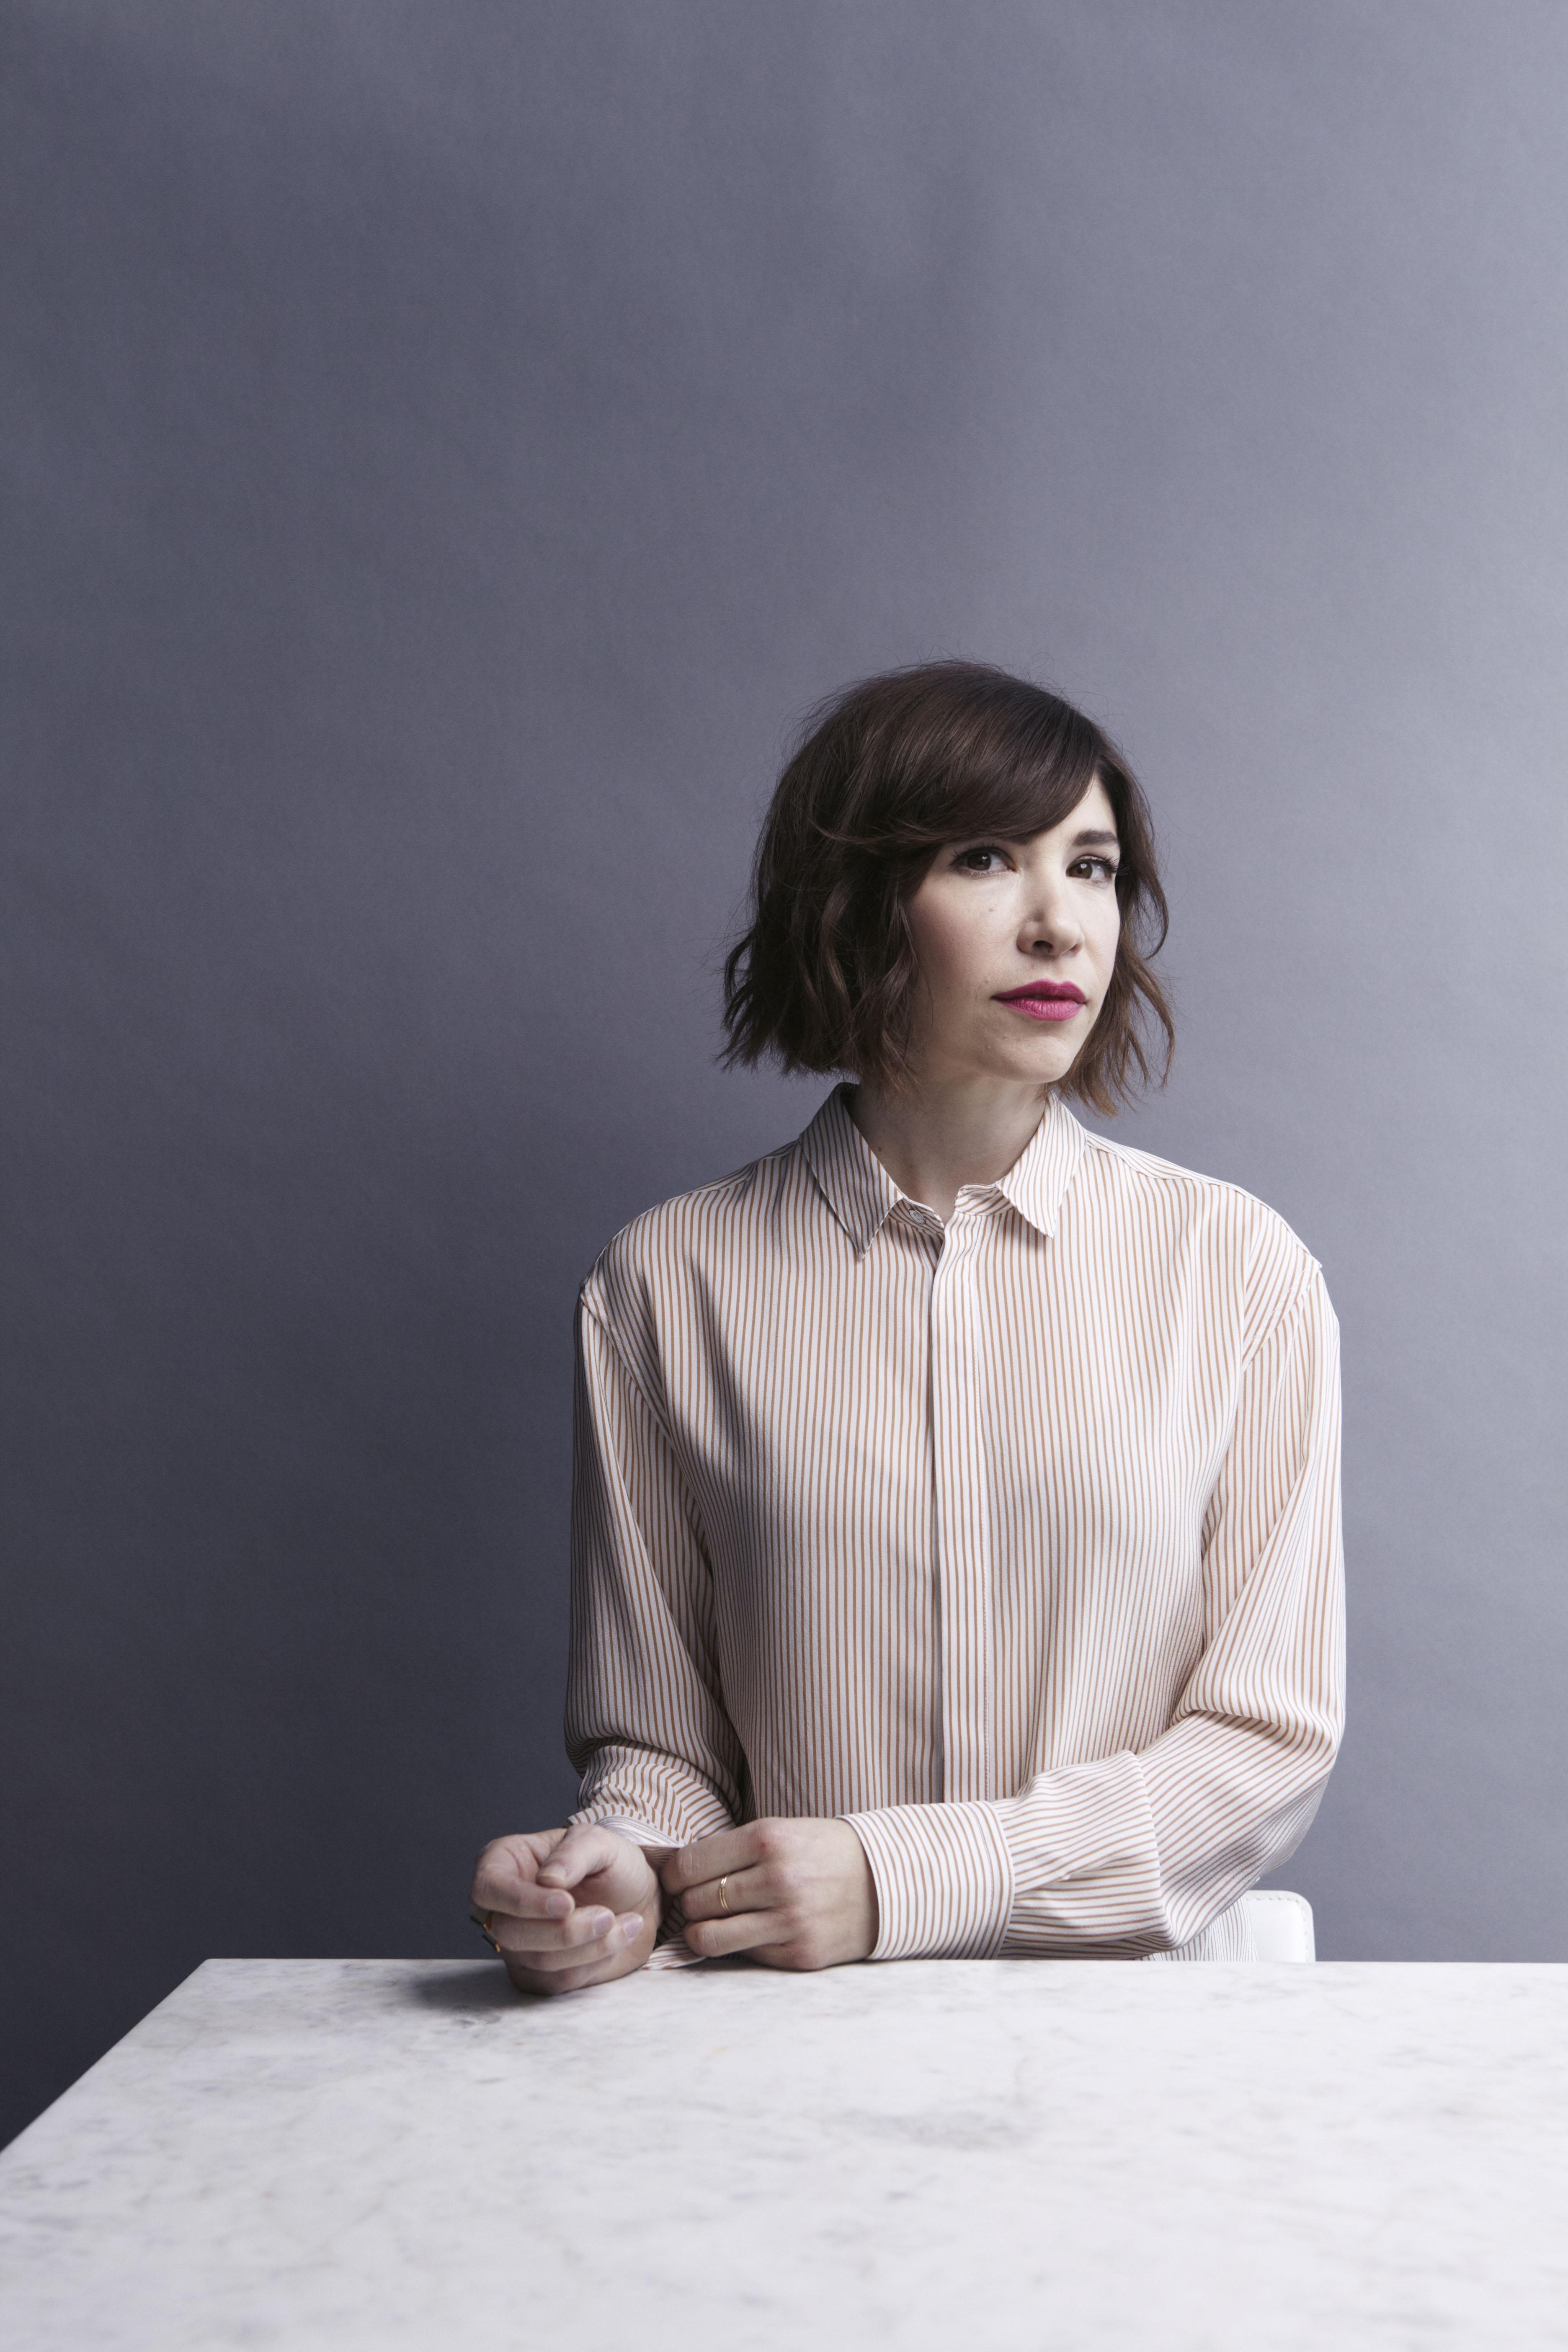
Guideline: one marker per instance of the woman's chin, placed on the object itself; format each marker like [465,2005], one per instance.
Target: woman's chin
[1043,1062]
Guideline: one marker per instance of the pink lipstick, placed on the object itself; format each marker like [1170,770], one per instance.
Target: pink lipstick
[1046,1000]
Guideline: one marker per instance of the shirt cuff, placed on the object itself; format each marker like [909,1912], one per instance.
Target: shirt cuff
[943,1877]
[625,1825]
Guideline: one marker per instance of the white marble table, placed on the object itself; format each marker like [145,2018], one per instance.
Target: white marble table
[315,2153]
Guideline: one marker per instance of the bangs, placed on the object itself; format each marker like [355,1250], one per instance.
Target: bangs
[1006,759]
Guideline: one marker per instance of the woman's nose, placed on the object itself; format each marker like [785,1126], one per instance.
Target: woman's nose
[1050,925]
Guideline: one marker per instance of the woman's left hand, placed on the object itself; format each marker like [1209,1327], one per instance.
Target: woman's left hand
[794,1893]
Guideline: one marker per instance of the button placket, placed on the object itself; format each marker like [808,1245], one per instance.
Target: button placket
[961,1516]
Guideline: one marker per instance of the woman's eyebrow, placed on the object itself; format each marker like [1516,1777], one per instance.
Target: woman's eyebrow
[1091,840]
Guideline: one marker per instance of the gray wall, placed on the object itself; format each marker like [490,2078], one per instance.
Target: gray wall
[448,445]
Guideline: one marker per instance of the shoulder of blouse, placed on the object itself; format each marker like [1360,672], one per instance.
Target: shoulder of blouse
[674,1232]
[1250,1243]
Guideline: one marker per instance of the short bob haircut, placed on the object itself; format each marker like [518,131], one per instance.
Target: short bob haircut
[886,773]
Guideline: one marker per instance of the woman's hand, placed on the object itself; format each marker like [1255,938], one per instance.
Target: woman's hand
[793,1894]
[568,1907]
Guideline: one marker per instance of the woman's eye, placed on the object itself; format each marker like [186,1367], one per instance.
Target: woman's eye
[984,859]
[1098,869]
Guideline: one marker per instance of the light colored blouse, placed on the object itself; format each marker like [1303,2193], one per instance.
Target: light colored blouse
[1015,1543]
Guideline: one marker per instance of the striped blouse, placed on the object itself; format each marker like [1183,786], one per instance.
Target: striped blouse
[1015,1542]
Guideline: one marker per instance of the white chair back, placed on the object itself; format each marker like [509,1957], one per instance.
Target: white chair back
[1281,1924]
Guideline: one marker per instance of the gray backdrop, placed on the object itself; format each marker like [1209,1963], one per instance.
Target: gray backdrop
[448,448]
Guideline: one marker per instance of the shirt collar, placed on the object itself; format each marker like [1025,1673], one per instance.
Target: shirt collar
[862,1195]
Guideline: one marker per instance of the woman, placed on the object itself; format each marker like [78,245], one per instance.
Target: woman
[956,1536]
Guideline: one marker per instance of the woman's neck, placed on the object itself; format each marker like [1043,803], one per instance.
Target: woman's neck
[934,1139]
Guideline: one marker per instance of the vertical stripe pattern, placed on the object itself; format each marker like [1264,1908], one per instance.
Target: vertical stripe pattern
[1013,1542]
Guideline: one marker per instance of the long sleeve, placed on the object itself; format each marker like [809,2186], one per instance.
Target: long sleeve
[645,1724]
[1137,1851]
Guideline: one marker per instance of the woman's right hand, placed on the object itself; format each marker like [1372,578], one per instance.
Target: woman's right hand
[569,1907]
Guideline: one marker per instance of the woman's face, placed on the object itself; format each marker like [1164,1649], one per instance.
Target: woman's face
[1016,942]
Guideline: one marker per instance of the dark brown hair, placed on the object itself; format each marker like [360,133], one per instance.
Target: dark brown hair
[885,775]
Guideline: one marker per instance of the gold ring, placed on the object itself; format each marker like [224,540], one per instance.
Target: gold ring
[723,1899]
[484,1928]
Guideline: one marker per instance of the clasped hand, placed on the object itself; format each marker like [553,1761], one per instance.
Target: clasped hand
[582,1906]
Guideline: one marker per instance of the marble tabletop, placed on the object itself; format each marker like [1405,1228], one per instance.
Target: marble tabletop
[348,2153]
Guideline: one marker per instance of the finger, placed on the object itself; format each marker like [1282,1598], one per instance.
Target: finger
[517,1899]
[587,1952]
[507,1865]
[753,1931]
[725,1852]
[523,1903]
[529,1979]
[729,1895]
[574,1933]
[584,1851]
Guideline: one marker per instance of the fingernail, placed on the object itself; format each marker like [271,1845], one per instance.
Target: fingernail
[631,1926]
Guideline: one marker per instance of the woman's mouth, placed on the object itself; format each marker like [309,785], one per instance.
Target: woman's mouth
[1046,1000]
